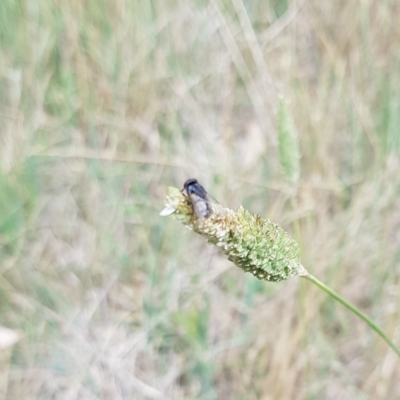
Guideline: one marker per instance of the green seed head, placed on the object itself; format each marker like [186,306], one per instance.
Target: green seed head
[252,243]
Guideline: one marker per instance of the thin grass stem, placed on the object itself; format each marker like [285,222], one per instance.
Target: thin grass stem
[353,309]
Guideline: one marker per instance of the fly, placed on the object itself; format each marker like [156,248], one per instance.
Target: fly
[198,197]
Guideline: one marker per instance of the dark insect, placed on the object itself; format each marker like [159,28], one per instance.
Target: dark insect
[198,197]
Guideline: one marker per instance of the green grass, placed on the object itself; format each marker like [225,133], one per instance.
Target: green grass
[105,104]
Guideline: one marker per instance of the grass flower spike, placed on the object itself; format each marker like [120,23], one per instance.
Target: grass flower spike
[252,243]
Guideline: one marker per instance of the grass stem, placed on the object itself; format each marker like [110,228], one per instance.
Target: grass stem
[353,309]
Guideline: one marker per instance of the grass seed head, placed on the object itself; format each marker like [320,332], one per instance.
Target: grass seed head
[252,243]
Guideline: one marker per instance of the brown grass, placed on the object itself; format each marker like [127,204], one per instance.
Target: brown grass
[103,105]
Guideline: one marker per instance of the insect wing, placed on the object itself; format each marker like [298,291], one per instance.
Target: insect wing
[201,206]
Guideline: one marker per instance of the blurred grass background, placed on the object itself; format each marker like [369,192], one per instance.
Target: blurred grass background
[105,104]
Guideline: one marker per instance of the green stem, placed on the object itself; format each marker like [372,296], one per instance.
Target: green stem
[354,309]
